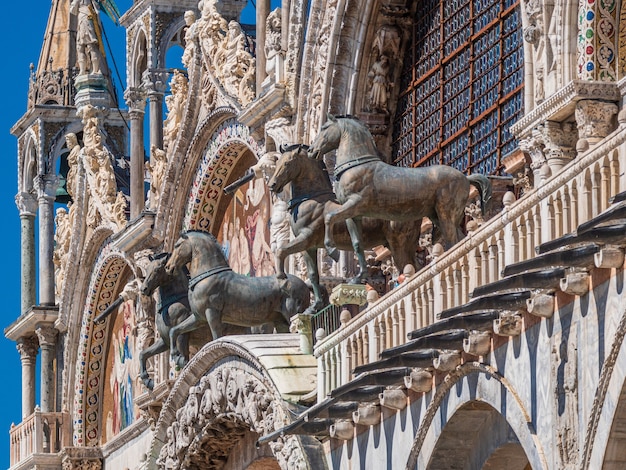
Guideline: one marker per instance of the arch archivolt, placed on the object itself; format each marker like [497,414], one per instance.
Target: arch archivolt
[229,142]
[223,393]
[108,278]
[474,382]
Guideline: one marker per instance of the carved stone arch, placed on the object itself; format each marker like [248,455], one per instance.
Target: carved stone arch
[28,164]
[87,350]
[173,35]
[222,396]
[138,62]
[464,388]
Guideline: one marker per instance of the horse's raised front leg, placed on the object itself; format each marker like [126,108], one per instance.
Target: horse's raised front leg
[158,347]
[298,244]
[190,323]
[356,235]
[347,210]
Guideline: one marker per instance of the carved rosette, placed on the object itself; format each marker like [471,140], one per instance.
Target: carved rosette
[220,409]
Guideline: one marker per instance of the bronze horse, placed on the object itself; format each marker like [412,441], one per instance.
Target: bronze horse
[312,198]
[222,296]
[172,311]
[368,187]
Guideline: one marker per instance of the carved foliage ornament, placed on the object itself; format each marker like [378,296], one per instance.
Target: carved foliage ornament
[219,410]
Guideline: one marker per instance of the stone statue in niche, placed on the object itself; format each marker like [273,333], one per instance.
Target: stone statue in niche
[88,44]
[273,54]
[156,167]
[175,106]
[71,141]
[379,85]
[62,238]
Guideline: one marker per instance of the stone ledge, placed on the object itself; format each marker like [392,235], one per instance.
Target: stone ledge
[562,104]
[26,324]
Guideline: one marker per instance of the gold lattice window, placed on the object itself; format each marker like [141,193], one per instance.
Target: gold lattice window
[462,85]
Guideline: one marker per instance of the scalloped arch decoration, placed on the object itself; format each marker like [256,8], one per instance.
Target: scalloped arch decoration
[105,282]
[226,146]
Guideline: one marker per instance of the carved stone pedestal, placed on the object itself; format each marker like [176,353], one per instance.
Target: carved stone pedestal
[92,89]
[349,294]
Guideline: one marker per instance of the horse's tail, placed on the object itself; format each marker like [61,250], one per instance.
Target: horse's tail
[483,184]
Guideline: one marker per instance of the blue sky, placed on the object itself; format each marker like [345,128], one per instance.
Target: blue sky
[22,30]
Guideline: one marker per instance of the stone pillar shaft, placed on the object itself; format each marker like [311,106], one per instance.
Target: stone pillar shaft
[27,206]
[46,186]
[156,120]
[135,98]
[27,348]
[47,337]
[262,12]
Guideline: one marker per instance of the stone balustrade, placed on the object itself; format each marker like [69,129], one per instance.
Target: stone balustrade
[555,207]
[38,436]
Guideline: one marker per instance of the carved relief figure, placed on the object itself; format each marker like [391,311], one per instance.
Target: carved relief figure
[175,106]
[190,35]
[273,45]
[156,167]
[88,46]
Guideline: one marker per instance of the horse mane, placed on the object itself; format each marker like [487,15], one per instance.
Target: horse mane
[289,148]
[208,235]
[355,124]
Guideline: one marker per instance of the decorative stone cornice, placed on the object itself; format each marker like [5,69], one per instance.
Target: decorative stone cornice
[26,204]
[349,294]
[562,104]
[81,458]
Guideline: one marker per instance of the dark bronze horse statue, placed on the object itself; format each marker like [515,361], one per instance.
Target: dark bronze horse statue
[312,198]
[172,311]
[222,296]
[368,187]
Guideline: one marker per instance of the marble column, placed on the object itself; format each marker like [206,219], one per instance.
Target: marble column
[27,347]
[27,205]
[136,101]
[262,12]
[47,342]
[46,190]
[155,82]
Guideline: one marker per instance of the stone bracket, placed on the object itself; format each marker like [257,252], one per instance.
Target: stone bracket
[509,324]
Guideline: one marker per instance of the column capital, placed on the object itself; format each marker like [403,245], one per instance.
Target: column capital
[46,186]
[26,203]
[135,98]
[47,335]
[27,346]
[594,119]
[154,81]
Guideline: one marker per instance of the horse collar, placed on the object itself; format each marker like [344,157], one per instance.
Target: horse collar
[195,280]
[341,169]
[296,201]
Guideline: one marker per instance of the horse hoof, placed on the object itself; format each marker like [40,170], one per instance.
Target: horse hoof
[281,276]
[333,253]
[181,361]
[149,383]
[355,280]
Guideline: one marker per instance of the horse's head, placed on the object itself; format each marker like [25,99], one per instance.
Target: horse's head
[288,166]
[327,139]
[180,256]
[155,273]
